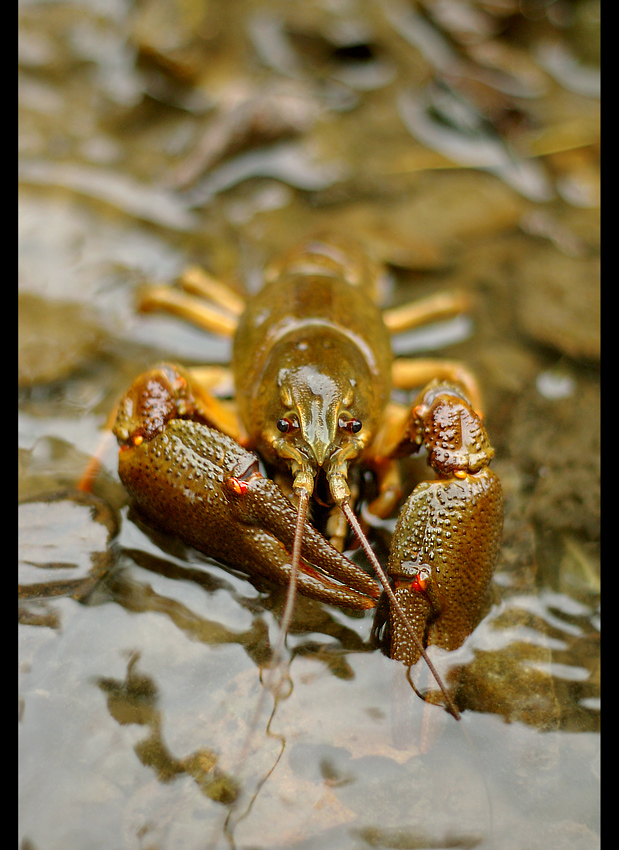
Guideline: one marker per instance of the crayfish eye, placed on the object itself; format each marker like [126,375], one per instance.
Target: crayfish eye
[351,425]
[285,425]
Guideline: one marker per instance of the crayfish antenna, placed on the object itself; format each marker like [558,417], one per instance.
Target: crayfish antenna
[272,681]
[356,527]
[95,463]
[294,573]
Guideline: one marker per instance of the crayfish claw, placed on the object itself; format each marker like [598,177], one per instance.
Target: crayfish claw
[196,483]
[448,533]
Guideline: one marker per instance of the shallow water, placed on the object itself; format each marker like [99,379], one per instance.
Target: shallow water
[144,722]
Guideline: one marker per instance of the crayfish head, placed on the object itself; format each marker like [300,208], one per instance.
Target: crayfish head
[319,427]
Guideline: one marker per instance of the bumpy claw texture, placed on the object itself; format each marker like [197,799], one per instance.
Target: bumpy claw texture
[197,484]
[155,398]
[449,531]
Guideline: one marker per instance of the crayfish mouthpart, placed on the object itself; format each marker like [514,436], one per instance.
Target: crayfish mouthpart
[303,482]
[340,490]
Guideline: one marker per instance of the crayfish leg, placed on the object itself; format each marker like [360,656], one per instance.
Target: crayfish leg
[200,299]
[196,281]
[415,314]
[412,373]
[193,310]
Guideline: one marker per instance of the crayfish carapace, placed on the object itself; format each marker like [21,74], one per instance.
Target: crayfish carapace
[313,372]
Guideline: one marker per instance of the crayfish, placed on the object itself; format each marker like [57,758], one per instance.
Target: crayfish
[313,372]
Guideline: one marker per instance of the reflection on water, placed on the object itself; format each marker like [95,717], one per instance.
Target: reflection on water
[156,737]
[158,677]
[165,134]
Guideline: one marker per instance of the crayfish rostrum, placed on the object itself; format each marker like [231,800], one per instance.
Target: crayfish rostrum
[313,373]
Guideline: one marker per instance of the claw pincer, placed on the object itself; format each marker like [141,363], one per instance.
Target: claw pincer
[448,533]
[196,483]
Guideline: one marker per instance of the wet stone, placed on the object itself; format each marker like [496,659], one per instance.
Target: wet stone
[512,682]
[562,458]
[55,338]
[63,544]
[559,301]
